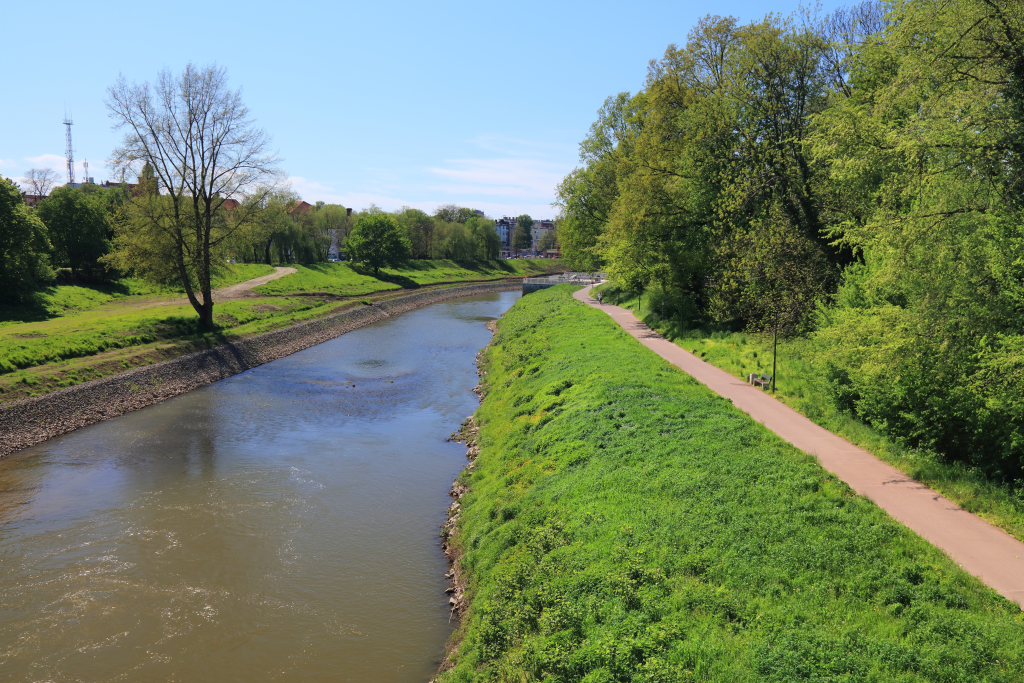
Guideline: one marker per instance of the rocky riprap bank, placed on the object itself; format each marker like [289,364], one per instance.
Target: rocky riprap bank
[34,420]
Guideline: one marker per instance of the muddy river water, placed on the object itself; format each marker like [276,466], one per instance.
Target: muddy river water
[279,525]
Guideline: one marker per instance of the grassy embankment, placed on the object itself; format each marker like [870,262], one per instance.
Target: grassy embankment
[801,385]
[340,279]
[623,523]
[75,334]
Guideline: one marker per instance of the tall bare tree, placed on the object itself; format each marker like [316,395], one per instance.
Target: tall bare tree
[40,181]
[203,149]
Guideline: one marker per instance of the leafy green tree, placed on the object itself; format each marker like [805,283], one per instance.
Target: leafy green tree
[774,277]
[378,240]
[924,157]
[549,240]
[586,196]
[78,229]
[24,247]
[525,221]
[419,227]
[485,237]
[521,237]
[451,213]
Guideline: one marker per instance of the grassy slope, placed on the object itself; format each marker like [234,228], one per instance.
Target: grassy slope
[81,333]
[625,524]
[341,279]
[801,387]
[97,344]
[55,302]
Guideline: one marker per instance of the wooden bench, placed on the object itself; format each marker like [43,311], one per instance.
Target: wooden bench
[763,381]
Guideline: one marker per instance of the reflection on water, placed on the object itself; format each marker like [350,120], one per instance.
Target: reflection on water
[277,525]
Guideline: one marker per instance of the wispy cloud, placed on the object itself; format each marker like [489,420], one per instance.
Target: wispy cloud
[54,161]
[505,177]
[522,148]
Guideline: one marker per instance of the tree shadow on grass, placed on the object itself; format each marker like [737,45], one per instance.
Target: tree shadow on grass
[393,278]
[32,311]
[39,306]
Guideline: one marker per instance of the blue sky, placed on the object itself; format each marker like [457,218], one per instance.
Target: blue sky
[395,103]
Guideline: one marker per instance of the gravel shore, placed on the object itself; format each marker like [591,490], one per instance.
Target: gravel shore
[34,420]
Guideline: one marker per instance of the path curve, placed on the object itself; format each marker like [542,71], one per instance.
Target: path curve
[243,289]
[991,554]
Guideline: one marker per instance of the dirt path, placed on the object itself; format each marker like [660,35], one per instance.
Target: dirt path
[985,551]
[244,289]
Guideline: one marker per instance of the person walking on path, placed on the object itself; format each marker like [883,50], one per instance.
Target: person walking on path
[600,295]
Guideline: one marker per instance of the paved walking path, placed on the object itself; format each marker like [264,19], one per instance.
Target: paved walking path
[244,289]
[985,551]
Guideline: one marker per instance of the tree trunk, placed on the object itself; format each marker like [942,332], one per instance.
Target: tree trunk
[775,350]
[206,313]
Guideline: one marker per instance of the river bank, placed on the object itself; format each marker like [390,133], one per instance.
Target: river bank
[34,420]
[621,522]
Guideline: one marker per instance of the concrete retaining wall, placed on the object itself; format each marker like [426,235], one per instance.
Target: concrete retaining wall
[34,420]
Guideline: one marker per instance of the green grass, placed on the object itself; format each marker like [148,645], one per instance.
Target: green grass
[800,384]
[623,523]
[93,332]
[120,325]
[64,300]
[345,279]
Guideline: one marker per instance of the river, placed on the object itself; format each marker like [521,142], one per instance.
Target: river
[279,525]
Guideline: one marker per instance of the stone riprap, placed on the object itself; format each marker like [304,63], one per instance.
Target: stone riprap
[34,420]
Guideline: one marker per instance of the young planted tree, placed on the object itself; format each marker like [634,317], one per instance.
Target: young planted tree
[773,276]
[204,148]
[378,240]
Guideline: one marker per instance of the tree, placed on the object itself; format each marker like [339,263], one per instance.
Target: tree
[40,181]
[485,237]
[24,247]
[521,237]
[525,221]
[204,148]
[420,229]
[377,240]
[586,196]
[774,276]
[333,220]
[549,240]
[451,213]
[78,228]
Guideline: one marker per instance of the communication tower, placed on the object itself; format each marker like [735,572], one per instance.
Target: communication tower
[85,170]
[69,152]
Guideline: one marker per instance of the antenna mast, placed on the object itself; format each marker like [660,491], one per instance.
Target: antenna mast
[69,152]
[85,170]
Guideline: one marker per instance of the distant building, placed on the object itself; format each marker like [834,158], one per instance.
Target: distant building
[541,228]
[505,228]
[32,200]
[300,207]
